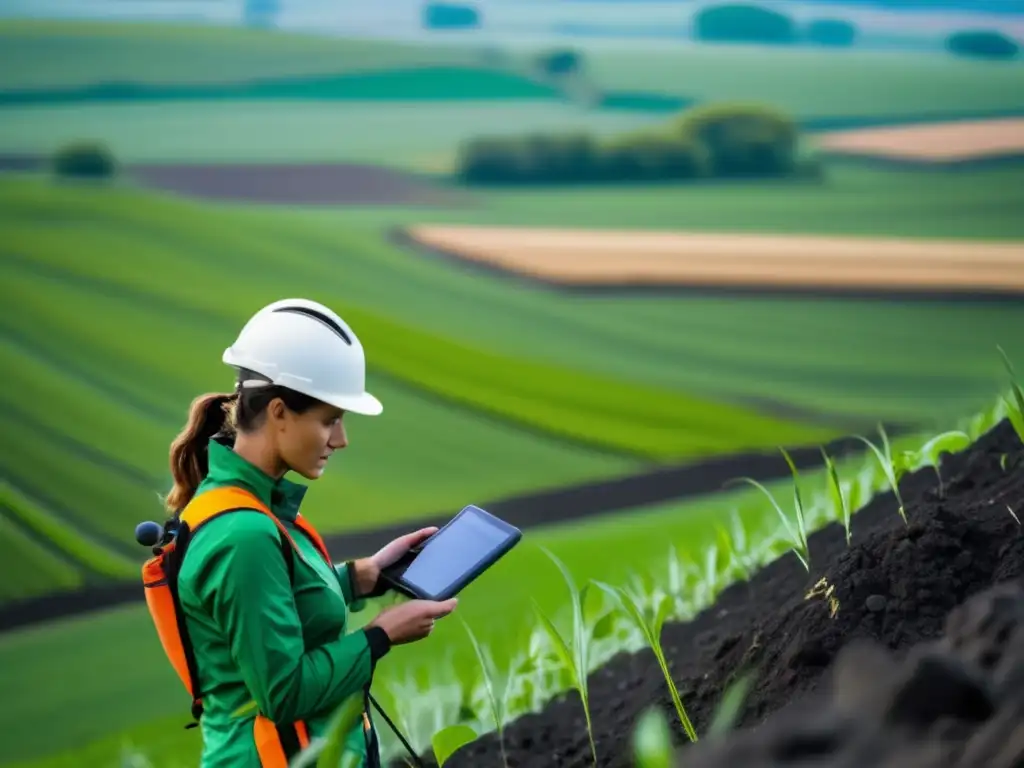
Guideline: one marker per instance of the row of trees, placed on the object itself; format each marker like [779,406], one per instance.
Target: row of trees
[722,141]
[750,23]
[738,23]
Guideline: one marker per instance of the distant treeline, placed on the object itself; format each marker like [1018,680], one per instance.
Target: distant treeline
[709,142]
[749,23]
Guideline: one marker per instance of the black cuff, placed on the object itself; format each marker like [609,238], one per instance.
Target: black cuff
[379,642]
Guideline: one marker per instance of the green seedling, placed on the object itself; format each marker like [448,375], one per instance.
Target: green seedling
[727,713]
[575,656]
[1015,409]
[894,469]
[652,741]
[840,502]
[450,740]
[931,452]
[797,534]
[651,628]
[496,686]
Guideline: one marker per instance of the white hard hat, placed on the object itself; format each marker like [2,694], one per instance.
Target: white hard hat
[303,345]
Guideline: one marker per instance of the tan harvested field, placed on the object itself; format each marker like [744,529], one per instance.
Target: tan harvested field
[638,258]
[938,142]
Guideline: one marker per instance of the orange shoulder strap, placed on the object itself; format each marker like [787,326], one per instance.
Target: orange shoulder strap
[217,501]
[303,525]
[211,503]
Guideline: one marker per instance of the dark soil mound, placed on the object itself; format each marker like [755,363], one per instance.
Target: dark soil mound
[895,585]
[956,702]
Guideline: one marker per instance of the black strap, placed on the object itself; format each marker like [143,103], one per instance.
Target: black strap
[412,752]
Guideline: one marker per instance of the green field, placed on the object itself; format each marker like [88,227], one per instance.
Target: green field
[280,131]
[809,83]
[373,127]
[119,302]
[529,399]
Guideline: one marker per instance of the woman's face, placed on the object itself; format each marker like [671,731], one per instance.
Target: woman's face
[305,441]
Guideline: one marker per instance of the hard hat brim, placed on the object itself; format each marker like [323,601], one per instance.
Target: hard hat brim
[364,404]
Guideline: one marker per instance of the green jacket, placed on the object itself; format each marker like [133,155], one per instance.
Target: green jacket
[258,637]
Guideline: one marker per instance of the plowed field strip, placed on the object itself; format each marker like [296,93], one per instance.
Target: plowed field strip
[611,257]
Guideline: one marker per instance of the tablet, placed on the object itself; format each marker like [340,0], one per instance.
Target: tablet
[469,544]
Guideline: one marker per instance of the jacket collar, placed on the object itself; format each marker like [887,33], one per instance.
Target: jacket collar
[226,467]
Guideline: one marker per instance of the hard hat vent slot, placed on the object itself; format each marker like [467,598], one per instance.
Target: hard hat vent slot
[320,317]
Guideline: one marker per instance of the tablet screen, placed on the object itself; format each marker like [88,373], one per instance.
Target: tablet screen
[453,552]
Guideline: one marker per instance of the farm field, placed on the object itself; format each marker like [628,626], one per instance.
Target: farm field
[940,142]
[610,258]
[261,164]
[739,369]
[807,83]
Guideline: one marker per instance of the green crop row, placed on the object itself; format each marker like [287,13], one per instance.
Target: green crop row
[65,538]
[165,263]
[29,568]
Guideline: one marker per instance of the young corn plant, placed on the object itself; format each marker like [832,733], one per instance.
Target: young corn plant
[1015,409]
[840,501]
[496,685]
[574,653]
[931,453]
[893,468]
[651,627]
[798,533]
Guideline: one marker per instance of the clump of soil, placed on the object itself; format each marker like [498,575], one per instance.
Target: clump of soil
[896,584]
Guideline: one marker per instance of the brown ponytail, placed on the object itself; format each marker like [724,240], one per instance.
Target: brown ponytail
[208,415]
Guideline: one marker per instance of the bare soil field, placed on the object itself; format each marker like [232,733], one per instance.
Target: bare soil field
[937,143]
[278,184]
[328,184]
[592,258]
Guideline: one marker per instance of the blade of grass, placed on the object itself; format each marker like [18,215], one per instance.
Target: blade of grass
[840,503]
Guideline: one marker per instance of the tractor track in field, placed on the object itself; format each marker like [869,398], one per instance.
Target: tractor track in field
[526,511]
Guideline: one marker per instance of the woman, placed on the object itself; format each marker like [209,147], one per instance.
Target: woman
[260,632]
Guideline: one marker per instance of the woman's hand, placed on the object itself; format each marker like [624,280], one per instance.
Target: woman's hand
[412,621]
[368,569]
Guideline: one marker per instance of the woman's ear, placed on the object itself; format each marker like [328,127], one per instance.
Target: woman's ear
[276,411]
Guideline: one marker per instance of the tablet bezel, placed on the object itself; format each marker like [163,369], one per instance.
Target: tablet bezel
[394,574]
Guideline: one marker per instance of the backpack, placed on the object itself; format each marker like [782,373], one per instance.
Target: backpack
[276,744]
